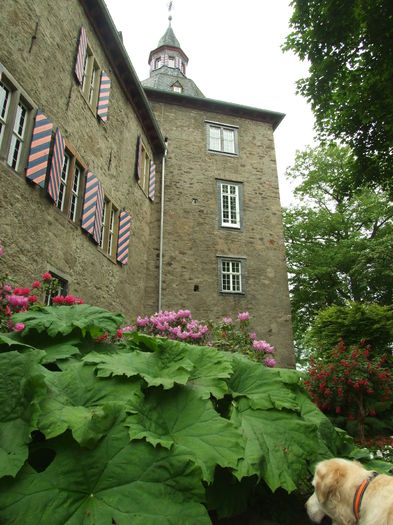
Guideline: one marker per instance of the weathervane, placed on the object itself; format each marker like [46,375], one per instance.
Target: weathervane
[170,8]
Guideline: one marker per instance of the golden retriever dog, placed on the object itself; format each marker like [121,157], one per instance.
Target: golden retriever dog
[350,495]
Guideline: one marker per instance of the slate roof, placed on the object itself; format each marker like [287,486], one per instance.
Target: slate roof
[169,39]
[164,78]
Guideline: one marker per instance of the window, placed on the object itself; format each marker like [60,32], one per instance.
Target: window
[171,61]
[230,203]
[144,170]
[69,200]
[157,63]
[90,79]
[58,286]
[16,118]
[231,274]
[177,88]
[109,228]
[222,138]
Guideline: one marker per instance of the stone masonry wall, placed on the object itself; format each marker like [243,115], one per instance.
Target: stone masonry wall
[38,48]
[192,238]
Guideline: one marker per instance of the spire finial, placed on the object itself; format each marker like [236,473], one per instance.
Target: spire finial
[170,8]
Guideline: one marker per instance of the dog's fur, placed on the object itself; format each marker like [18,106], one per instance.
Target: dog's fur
[335,483]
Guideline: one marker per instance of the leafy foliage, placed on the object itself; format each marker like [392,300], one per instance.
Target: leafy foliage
[349,48]
[339,240]
[98,433]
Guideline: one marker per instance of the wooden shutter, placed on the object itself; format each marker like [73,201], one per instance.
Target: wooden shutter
[152,180]
[56,166]
[139,159]
[37,162]
[124,237]
[81,55]
[90,203]
[103,97]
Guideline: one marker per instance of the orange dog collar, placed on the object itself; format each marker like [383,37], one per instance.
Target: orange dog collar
[357,500]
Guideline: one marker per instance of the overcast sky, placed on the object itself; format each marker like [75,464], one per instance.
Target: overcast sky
[234,51]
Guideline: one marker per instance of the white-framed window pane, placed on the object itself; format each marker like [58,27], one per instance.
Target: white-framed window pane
[111,231]
[171,61]
[75,193]
[104,211]
[17,136]
[85,68]
[229,140]
[92,85]
[230,205]
[231,276]
[63,182]
[4,103]
[215,138]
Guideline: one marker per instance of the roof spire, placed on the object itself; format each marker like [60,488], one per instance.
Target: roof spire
[170,8]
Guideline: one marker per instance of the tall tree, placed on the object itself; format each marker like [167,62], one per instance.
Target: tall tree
[339,239]
[349,45]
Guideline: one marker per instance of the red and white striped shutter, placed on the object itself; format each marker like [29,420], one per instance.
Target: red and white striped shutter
[152,180]
[103,97]
[124,237]
[81,55]
[139,160]
[37,163]
[90,203]
[99,210]
[56,166]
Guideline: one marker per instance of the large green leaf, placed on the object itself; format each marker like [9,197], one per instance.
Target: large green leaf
[180,418]
[211,370]
[264,387]
[80,401]
[64,319]
[163,367]
[121,481]
[279,445]
[21,387]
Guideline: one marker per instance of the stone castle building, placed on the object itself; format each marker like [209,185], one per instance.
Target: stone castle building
[137,196]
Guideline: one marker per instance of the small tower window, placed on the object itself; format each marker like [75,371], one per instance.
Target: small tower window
[171,61]
[177,88]
[157,63]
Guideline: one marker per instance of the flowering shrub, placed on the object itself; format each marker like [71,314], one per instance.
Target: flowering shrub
[381,447]
[351,383]
[15,299]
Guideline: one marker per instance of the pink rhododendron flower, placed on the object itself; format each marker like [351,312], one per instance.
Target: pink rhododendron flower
[78,300]
[227,320]
[130,328]
[7,288]
[19,326]
[263,346]
[36,284]
[46,277]
[270,362]
[253,336]
[142,321]
[243,316]
[17,301]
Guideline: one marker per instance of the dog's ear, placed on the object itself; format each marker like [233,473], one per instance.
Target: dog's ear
[326,482]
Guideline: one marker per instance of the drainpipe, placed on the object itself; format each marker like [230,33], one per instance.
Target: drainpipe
[162,224]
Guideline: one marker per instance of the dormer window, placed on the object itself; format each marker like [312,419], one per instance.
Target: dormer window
[177,88]
[171,61]
[157,63]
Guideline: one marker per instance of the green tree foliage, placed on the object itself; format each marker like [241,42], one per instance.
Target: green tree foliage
[349,46]
[339,239]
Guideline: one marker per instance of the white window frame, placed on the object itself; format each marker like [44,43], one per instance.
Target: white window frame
[231,275]
[63,181]
[16,120]
[230,200]
[216,142]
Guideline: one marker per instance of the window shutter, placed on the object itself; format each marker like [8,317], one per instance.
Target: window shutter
[56,166]
[152,180]
[139,160]
[39,149]
[81,55]
[124,237]
[103,97]
[90,203]
[98,218]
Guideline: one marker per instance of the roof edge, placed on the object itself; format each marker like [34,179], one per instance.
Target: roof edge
[264,115]
[105,28]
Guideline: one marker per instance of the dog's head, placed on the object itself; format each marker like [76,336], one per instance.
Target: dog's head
[334,484]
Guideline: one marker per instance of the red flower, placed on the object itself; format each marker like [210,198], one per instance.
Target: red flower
[59,299]
[69,299]
[47,276]
[351,417]
[18,291]
[338,410]
[25,291]
[36,284]
[32,299]
[372,413]
[119,333]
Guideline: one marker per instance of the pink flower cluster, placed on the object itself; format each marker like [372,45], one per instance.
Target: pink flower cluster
[67,300]
[243,316]
[262,346]
[174,325]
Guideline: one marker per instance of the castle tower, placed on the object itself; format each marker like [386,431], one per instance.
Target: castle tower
[168,65]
